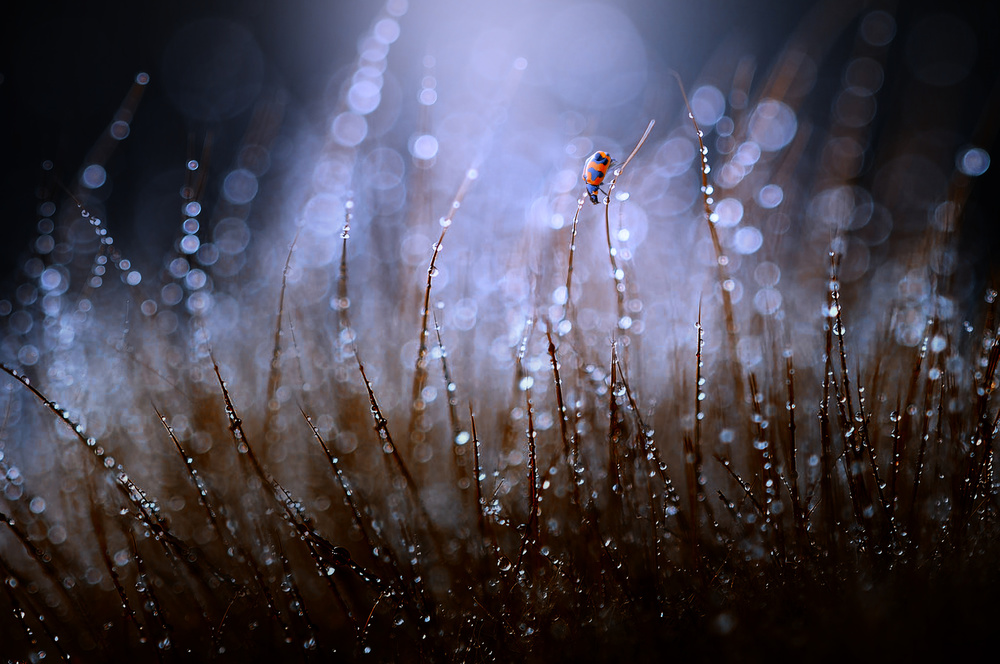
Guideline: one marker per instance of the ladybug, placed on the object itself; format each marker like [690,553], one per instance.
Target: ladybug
[594,170]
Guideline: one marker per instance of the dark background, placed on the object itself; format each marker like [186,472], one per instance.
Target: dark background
[65,69]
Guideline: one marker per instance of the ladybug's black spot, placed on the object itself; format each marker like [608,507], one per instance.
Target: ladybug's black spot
[594,176]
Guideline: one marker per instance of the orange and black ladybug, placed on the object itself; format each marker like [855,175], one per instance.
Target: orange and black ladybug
[594,170]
